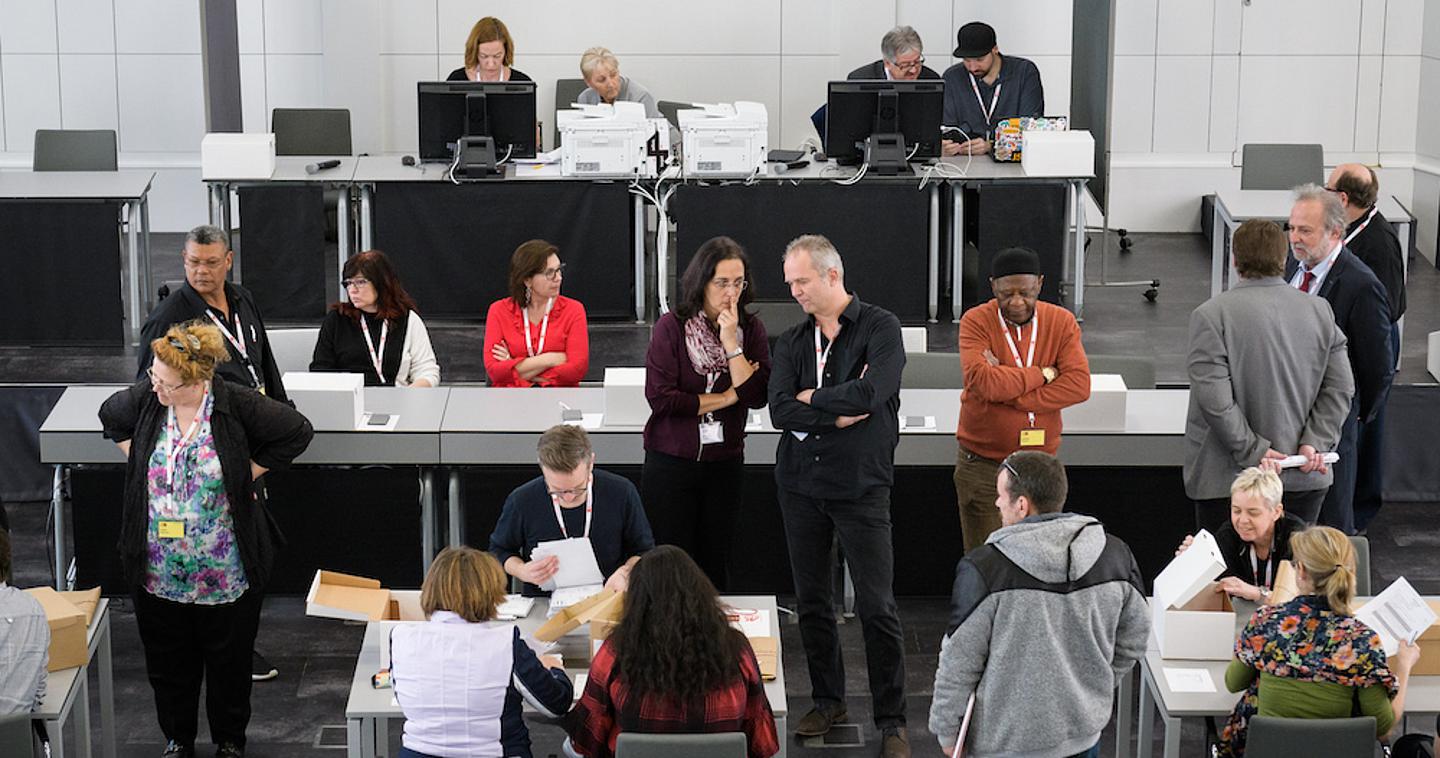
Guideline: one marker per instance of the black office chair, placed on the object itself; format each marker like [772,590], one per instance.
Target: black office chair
[1271,737]
[75,150]
[670,109]
[311,131]
[932,371]
[17,739]
[1137,371]
[567,91]
[718,745]
[1280,167]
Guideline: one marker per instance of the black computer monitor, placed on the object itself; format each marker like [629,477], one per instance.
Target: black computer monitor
[503,111]
[856,109]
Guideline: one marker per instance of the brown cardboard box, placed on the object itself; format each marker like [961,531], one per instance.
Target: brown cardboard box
[86,600]
[67,629]
[603,623]
[344,596]
[1285,588]
[1429,642]
[767,653]
[604,605]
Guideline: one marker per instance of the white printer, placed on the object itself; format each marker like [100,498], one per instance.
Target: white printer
[724,140]
[608,140]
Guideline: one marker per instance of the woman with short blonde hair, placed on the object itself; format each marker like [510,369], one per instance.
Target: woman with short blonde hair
[1309,657]
[460,677]
[1256,538]
[604,84]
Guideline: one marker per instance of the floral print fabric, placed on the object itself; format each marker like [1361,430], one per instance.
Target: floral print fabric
[202,566]
[1304,640]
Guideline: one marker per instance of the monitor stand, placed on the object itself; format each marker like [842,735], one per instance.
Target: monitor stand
[476,159]
[885,154]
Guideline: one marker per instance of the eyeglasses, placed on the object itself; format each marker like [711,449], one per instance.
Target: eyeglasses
[570,493]
[553,273]
[726,284]
[168,388]
[215,263]
[354,283]
[913,66]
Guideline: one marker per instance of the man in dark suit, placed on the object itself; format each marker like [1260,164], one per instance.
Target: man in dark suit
[1373,240]
[902,58]
[1322,266]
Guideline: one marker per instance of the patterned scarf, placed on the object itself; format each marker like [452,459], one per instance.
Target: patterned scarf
[702,342]
[1303,639]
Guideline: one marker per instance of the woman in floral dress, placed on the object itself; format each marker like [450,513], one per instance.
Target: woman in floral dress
[1310,658]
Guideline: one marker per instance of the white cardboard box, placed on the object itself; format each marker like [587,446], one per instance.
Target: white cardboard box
[625,403]
[1189,618]
[1103,412]
[1432,355]
[227,155]
[332,401]
[1046,153]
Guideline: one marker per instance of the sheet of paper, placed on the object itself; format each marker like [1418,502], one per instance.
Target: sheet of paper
[1398,613]
[394,702]
[1296,461]
[753,622]
[1189,680]
[577,563]
[567,596]
[552,156]
[514,607]
[579,686]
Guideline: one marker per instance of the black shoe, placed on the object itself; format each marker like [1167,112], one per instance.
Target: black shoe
[229,750]
[260,669]
[174,749]
[819,720]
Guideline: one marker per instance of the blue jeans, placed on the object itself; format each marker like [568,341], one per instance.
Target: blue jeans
[1093,752]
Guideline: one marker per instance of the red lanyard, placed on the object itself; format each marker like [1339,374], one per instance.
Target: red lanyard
[238,341]
[1014,349]
[1361,227]
[544,326]
[589,510]
[822,358]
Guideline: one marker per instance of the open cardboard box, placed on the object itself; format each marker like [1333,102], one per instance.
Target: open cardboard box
[1191,620]
[1429,642]
[606,606]
[767,653]
[1286,588]
[68,624]
[345,596]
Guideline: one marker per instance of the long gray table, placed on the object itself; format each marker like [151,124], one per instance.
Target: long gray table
[289,169]
[129,187]
[369,711]
[72,435]
[67,692]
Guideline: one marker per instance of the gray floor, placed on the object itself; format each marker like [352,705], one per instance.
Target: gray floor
[316,657]
[1118,321]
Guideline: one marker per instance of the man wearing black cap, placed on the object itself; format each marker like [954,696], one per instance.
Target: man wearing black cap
[1023,362]
[985,87]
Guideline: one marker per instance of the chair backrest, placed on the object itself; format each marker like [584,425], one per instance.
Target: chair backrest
[720,745]
[1334,738]
[1138,371]
[75,150]
[17,738]
[1280,167]
[1362,564]
[311,131]
[292,348]
[670,109]
[778,315]
[567,91]
[932,371]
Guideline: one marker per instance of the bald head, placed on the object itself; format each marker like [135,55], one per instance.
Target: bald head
[1357,187]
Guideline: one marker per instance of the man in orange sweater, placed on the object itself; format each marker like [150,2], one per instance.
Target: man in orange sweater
[1023,362]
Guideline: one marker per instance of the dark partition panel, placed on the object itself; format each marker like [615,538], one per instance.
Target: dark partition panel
[62,285]
[282,250]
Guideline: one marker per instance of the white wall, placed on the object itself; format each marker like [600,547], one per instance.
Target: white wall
[1194,79]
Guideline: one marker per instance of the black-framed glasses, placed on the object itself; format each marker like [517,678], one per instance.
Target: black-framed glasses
[1014,475]
[573,492]
[909,66]
[355,282]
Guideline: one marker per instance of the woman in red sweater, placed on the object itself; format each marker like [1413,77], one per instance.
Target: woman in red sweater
[673,664]
[536,337]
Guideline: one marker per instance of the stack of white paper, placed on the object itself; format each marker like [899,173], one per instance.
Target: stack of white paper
[1397,614]
[514,607]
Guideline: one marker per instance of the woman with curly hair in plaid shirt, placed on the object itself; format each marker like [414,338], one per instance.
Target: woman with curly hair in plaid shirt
[672,665]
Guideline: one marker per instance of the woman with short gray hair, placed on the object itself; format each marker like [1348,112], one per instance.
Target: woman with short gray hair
[604,84]
[1257,537]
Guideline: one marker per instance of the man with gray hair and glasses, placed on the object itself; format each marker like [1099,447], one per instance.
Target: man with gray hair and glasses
[835,396]
[1324,267]
[207,295]
[902,58]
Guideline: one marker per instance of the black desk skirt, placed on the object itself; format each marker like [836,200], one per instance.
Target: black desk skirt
[61,264]
[282,250]
[452,244]
[882,230]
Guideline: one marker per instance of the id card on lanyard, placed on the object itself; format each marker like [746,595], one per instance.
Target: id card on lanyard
[377,358]
[589,510]
[1368,218]
[237,340]
[821,360]
[1031,436]
[711,432]
[530,351]
[172,524]
[989,113]
[1269,569]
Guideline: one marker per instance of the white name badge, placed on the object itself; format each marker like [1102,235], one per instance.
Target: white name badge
[711,433]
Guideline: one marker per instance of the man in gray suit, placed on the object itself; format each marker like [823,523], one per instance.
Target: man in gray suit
[1269,378]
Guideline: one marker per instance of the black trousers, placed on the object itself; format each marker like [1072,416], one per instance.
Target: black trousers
[863,528]
[187,644]
[1370,458]
[695,506]
[1212,514]
[1338,510]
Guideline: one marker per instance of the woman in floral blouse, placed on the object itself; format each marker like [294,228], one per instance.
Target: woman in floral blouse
[1310,658]
[195,540]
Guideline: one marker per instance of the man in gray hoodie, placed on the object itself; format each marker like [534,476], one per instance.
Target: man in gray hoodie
[1046,618]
